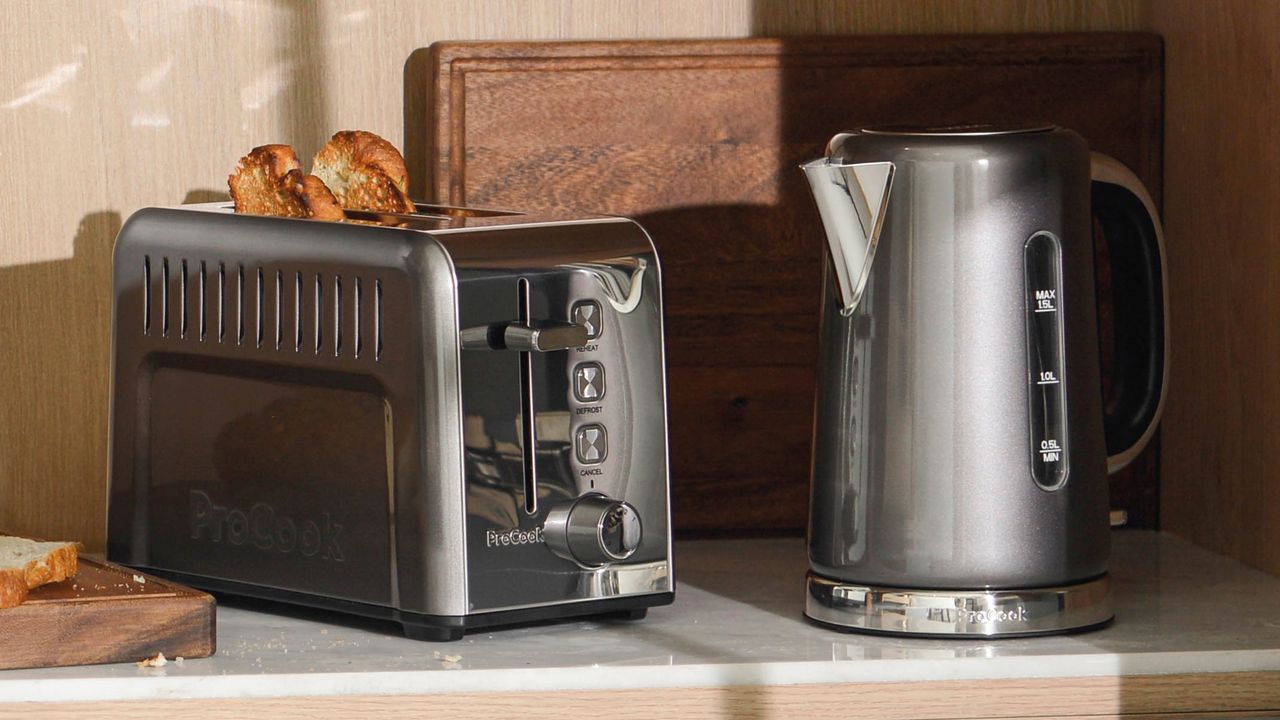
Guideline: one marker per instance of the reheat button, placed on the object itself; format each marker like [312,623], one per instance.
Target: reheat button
[587,314]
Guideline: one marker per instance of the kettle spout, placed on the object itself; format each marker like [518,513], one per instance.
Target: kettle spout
[852,199]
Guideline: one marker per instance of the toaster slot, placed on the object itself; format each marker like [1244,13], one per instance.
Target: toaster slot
[527,411]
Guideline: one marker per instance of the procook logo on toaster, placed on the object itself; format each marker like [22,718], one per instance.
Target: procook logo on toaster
[514,536]
[1017,614]
[263,529]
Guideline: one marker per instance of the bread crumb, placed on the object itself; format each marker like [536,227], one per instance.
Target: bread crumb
[139,579]
[157,661]
[177,660]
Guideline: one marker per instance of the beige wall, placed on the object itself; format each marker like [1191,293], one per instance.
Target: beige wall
[106,107]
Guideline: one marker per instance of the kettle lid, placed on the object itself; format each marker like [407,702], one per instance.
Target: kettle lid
[961,130]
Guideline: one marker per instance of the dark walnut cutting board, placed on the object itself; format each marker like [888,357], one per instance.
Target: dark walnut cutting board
[106,614]
[700,141]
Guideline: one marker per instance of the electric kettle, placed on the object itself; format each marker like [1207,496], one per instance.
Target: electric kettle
[961,445]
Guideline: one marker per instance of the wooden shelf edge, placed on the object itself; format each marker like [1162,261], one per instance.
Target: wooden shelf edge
[1190,695]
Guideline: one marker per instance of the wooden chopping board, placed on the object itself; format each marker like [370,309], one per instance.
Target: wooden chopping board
[700,141]
[106,614]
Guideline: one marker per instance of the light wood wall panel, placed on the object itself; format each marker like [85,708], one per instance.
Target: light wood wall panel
[106,107]
[783,17]
[1220,470]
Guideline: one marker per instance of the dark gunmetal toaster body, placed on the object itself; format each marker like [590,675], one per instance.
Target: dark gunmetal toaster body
[449,419]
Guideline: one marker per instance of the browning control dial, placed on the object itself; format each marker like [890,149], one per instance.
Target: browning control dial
[593,530]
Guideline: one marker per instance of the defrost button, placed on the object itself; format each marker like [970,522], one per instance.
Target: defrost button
[588,382]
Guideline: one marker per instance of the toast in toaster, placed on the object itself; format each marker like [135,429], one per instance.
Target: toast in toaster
[269,181]
[364,172]
[27,564]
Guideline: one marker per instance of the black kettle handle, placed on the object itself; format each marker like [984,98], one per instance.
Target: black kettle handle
[1135,241]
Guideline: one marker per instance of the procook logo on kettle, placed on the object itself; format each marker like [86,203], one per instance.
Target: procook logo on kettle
[262,528]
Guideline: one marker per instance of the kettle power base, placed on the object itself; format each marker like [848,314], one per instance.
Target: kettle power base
[959,613]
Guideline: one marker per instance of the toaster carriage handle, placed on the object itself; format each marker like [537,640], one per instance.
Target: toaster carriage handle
[534,336]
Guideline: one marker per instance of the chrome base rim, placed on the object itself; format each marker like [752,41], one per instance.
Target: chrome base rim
[959,613]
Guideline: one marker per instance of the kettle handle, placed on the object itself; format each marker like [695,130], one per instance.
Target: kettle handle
[1135,241]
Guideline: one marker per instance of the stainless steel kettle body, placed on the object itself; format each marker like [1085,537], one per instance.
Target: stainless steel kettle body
[960,451]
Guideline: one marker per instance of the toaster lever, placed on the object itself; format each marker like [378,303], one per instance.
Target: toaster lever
[536,336]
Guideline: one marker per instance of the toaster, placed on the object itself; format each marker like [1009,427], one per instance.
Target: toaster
[448,419]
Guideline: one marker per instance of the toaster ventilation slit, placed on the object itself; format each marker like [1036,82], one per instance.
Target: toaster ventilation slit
[164,297]
[279,308]
[319,313]
[146,294]
[240,305]
[356,339]
[337,315]
[262,310]
[182,312]
[222,302]
[297,312]
[204,302]
[377,320]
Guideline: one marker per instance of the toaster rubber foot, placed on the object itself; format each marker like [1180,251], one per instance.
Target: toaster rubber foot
[634,614]
[432,633]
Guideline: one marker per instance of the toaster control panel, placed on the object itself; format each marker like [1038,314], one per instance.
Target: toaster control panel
[1046,394]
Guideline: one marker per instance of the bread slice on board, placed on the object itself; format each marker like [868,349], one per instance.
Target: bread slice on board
[364,172]
[27,564]
[269,181]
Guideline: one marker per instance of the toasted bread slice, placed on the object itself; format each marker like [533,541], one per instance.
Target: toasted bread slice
[27,564]
[364,172]
[269,181]
[315,197]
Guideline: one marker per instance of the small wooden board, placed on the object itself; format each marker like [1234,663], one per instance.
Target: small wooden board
[106,614]
[700,141]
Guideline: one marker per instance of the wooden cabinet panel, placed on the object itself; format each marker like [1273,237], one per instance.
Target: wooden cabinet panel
[1221,450]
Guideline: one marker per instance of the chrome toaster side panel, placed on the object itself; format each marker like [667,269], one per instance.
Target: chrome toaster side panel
[610,264]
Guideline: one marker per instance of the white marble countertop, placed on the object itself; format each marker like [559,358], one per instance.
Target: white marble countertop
[736,621]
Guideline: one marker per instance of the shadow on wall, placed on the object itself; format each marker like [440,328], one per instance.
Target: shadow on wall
[55,355]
